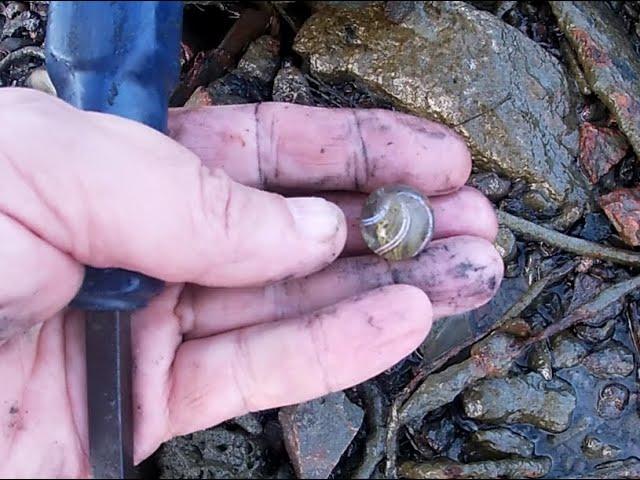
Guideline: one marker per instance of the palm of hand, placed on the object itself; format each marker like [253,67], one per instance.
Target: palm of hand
[269,326]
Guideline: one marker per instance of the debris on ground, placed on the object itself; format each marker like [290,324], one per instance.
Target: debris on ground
[317,433]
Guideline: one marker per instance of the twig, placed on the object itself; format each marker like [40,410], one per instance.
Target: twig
[600,302]
[21,54]
[210,66]
[375,445]
[568,243]
[393,424]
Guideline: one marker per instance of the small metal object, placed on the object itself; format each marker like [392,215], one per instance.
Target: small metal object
[397,222]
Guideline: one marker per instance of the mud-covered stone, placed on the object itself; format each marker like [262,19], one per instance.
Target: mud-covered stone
[539,360]
[212,453]
[622,207]
[496,444]
[612,361]
[491,185]
[522,399]
[593,447]
[508,468]
[567,351]
[608,59]
[612,400]
[601,148]
[251,81]
[505,244]
[317,433]
[521,124]
[290,85]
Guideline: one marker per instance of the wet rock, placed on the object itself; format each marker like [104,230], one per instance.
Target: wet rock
[39,80]
[627,468]
[608,59]
[290,85]
[601,148]
[539,360]
[496,444]
[574,67]
[614,360]
[622,207]
[569,215]
[612,400]
[490,357]
[249,423]
[213,453]
[494,187]
[509,468]
[522,399]
[251,81]
[505,243]
[567,351]
[317,433]
[585,288]
[595,335]
[436,436]
[596,227]
[594,448]
[199,98]
[412,54]
[539,203]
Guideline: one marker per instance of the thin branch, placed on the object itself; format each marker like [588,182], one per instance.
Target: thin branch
[568,243]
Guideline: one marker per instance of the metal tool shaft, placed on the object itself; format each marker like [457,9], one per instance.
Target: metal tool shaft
[108,341]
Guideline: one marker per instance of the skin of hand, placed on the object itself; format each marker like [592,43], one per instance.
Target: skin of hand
[250,214]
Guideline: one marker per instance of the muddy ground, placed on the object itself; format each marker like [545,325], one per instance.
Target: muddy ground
[542,382]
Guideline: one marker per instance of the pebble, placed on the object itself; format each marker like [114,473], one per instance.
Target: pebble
[291,86]
[622,207]
[567,350]
[494,187]
[496,444]
[594,448]
[612,400]
[508,468]
[317,433]
[522,399]
[612,361]
[505,244]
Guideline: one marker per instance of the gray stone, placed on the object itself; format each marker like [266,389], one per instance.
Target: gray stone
[593,447]
[614,360]
[567,351]
[317,433]
[522,399]
[505,244]
[290,85]
[496,444]
[519,124]
[507,468]
[612,400]
[595,335]
[493,186]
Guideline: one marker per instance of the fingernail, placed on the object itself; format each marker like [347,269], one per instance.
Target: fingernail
[316,218]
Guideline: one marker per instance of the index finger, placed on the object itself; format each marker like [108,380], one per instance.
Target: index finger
[282,146]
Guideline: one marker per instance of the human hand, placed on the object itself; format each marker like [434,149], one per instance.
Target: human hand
[256,313]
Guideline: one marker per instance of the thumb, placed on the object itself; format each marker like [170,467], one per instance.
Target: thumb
[108,192]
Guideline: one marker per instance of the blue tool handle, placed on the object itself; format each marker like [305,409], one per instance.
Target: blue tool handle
[120,58]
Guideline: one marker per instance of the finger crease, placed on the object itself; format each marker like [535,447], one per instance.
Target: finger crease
[243,357]
[364,155]
[319,341]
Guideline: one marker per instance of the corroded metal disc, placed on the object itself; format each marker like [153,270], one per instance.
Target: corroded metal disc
[397,222]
